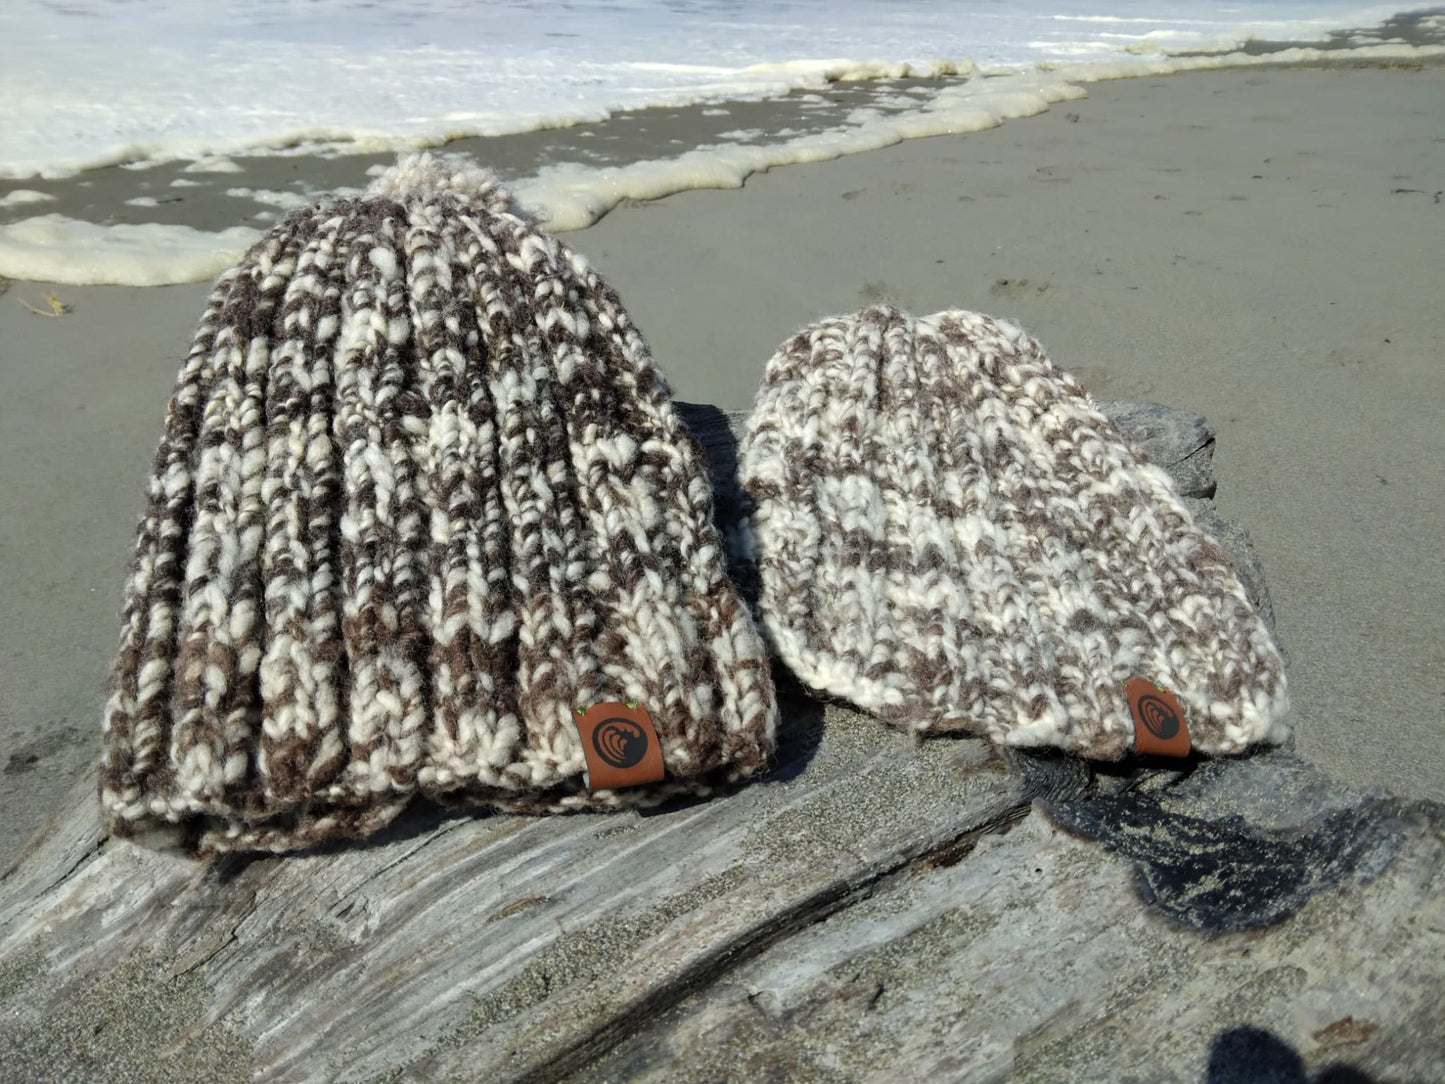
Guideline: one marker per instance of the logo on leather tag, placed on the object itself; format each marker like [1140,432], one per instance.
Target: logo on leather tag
[620,745]
[1160,728]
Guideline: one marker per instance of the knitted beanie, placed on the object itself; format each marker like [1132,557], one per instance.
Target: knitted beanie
[421,501]
[949,534]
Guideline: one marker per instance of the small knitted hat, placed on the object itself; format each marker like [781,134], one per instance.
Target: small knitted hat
[949,534]
[421,499]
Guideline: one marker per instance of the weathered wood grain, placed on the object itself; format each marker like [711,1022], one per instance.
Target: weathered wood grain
[1035,960]
[526,946]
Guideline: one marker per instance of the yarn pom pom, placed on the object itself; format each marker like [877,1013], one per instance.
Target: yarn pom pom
[420,176]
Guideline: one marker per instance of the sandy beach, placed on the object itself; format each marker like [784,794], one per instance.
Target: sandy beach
[1261,246]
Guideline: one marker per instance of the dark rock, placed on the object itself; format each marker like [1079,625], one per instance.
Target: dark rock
[1179,442]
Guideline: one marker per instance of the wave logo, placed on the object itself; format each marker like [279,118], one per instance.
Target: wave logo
[620,746]
[1158,717]
[620,742]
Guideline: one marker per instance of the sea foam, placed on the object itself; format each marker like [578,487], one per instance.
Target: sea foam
[54,248]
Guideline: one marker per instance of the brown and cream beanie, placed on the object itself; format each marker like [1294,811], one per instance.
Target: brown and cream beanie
[422,508]
[948,533]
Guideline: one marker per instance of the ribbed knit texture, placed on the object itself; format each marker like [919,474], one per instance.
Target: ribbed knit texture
[949,534]
[421,494]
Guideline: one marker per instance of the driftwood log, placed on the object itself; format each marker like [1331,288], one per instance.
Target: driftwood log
[874,909]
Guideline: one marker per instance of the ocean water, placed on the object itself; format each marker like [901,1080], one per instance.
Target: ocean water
[88,84]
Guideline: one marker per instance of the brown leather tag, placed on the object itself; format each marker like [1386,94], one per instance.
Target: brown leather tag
[621,746]
[1160,728]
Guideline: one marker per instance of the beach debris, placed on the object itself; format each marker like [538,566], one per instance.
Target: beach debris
[1017,288]
[1417,192]
[54,307]
[1202,863]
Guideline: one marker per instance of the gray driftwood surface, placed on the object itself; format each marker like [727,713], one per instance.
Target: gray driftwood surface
[873,909]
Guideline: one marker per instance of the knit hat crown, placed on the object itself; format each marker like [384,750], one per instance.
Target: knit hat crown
[420,499]
[948,533]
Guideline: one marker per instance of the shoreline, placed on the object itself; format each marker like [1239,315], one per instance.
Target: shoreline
[851,81]
[160,222]
[1259,245]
